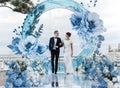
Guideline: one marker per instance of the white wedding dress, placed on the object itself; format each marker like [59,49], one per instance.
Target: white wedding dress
[67,56]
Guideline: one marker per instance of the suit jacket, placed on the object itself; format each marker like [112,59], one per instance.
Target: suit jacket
[51,44]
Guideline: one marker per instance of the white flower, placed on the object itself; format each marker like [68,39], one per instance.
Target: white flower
[110,84]
[43,71]
[114,79]
[118,78]
[93,16]
[30,69]
[106,70]
[106,80]
[117,85]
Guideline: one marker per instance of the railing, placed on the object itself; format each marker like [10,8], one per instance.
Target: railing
[16,57]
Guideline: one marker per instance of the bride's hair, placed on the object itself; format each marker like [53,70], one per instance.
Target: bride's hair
[69,34]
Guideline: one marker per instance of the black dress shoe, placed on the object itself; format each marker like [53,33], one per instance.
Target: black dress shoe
[52,84]
[57,84]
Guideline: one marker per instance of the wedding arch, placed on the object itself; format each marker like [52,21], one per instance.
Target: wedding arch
[87,24]
[80,12]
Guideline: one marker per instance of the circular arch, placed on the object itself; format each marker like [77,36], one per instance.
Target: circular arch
[32,19]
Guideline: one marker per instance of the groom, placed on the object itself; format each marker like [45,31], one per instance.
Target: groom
[54,46]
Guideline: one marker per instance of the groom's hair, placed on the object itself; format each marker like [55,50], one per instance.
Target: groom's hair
[55,31]
[69,34]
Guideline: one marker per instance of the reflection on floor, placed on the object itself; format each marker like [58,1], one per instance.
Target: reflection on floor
[66,81]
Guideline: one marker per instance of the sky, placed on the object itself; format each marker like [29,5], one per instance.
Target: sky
[58,19]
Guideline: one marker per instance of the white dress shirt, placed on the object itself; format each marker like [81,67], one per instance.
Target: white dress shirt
[55,41]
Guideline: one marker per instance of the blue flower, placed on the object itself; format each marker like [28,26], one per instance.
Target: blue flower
[13,65]
[114,73]
[94,24]
[16,41]
[14,45]
[7,85]
[76,20]
[27,45]
[91,24]
[8,72]
[93,72]
[28,84]
[101,38]
[102,82]
[30,47]
[34,63]
[41,48]
[12,77]
[18,82]
[24,75]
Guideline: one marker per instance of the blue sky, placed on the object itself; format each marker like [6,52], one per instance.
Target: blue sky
[107,9]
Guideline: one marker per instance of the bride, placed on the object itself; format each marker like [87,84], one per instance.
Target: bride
[68,53]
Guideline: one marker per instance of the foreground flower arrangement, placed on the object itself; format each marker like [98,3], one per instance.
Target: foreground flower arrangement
[24,74]
[100,70]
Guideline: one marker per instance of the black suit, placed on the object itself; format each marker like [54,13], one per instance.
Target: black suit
[54,52]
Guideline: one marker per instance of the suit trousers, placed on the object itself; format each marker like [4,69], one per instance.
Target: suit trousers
[54,58]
